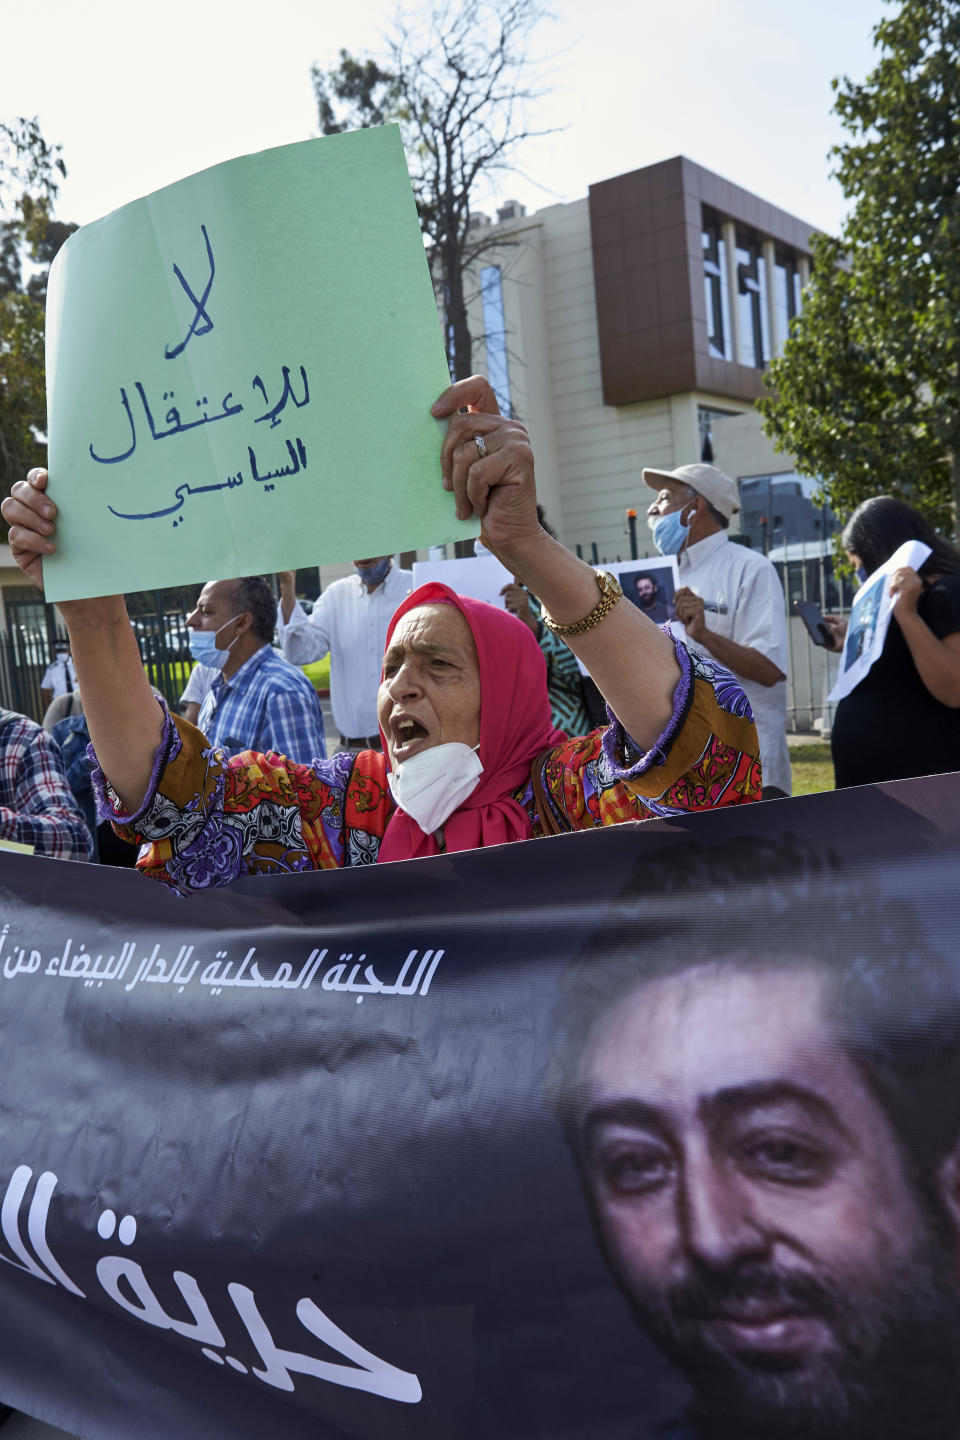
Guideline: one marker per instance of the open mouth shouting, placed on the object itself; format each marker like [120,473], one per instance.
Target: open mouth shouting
[407,735]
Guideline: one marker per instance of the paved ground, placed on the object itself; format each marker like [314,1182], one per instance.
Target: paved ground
[807,737]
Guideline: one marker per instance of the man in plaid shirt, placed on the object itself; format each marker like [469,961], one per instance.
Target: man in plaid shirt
[36,805]
[258,700]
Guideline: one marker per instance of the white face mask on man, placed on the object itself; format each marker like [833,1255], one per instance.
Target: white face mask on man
[432,783]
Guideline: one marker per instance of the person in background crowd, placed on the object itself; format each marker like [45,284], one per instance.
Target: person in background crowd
[903,718]
[730,600]
[564,681]
[258,700]
[66,722]
[472,758]
[60,676]
[65,706]
[36,804]
[195,691]
[348,622]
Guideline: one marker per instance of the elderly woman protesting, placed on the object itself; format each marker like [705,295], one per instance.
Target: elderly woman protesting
[471,756]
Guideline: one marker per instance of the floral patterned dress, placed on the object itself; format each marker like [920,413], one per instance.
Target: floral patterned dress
[207,819]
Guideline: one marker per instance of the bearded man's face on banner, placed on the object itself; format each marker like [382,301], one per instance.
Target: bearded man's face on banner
[755,1205]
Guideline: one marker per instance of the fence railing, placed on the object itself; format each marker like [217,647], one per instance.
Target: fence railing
[25,653]
[24,656]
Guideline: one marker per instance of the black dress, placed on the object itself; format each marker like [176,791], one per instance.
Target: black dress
[890,727]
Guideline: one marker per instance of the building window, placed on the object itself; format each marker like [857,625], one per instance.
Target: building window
[715,288]
[752,299]
[786,291]
[706,417]
[495,335]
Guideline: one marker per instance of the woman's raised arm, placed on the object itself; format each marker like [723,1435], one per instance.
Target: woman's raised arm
[632,661]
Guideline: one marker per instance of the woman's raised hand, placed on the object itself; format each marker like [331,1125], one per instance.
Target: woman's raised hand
[487,463]
[31,516]
[906,587]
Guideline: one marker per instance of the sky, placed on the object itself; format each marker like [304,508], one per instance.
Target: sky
[139,97]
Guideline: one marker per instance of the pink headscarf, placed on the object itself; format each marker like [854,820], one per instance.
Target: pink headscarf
[515,727]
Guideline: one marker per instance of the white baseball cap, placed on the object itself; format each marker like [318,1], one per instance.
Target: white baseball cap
[707,480]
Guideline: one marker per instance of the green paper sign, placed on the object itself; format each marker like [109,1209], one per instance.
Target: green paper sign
[240,370]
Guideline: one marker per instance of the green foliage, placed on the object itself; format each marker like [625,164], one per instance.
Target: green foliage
[22,389]
[456,77]
[365,95]
[866,391]
[30,172]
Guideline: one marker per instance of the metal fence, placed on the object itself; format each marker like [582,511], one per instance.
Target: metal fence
[27,648]
[24,656]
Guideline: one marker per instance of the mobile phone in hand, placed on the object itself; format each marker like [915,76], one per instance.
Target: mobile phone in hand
[812,616]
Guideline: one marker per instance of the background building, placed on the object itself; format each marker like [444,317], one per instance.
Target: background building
[633,328]
[628,328]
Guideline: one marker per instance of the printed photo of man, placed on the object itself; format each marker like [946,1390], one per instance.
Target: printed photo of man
[864,623]
[651,592]
[767,1140]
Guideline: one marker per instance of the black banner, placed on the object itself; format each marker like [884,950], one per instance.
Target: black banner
[641,1132]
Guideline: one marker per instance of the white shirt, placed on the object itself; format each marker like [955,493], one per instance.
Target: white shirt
[55,677]
[199,685]
[351,624]
[743,601]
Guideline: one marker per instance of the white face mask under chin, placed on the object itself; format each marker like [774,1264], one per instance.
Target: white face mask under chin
[431,784]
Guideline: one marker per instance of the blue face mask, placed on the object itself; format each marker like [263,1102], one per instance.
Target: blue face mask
[203,646]
[669,532]
[862,574]
[372,575]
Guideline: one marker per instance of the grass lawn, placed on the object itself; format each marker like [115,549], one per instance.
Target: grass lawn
[177,672]
[812,768]
[319,673]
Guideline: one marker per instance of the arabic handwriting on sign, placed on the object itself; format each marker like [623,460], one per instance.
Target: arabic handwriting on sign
[273,415]
[200,310]
[172,419]
[181,492]
[298,462]
[124,454]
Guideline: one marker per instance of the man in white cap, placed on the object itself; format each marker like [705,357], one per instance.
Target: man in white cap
[730,602]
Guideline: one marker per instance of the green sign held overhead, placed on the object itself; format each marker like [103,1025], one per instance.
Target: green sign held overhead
[240,370]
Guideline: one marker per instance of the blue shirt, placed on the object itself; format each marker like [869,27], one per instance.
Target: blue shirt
[267,705]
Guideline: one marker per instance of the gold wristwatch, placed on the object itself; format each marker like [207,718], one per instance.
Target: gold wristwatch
[611,591]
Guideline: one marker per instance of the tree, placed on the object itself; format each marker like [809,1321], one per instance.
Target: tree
[866,394]
[30,172]
[457,79]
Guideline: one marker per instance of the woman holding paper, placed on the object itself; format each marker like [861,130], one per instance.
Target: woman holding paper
[903,718]
[471,756]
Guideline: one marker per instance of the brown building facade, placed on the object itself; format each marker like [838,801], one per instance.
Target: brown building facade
[696,282]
